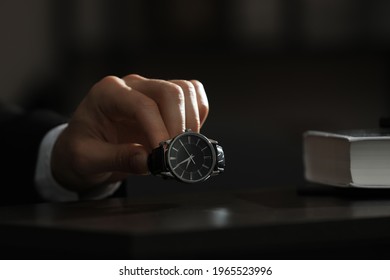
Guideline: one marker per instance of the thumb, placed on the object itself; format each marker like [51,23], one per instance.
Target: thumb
[125,158]
[129,158]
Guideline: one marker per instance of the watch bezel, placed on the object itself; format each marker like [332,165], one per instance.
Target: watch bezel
[213,155]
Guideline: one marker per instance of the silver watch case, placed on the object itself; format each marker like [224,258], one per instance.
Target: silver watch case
[167,146]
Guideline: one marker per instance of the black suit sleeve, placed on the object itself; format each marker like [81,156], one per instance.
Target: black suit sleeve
[21,135]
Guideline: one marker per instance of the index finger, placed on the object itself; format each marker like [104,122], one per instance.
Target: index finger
[119,102]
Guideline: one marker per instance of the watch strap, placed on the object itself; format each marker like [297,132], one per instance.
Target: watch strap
[156,162]
[220,159]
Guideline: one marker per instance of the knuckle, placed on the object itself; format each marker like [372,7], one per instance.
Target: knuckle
[108,81]
[171,92]
[101,87]
[198,85]
[133,77]
[203,104]
[203,108]
[187,87]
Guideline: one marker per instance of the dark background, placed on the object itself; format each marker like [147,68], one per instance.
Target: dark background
[271,68]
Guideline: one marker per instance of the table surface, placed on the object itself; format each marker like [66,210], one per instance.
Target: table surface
[310,222]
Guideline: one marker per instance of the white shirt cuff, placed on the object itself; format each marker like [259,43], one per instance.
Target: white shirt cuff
[48,187]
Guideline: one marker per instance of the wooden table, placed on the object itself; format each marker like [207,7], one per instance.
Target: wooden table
[265,223]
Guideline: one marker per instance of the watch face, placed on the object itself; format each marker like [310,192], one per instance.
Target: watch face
[191,157]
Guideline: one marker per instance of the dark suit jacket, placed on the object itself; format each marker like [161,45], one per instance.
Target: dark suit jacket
[21,134]
[20,137]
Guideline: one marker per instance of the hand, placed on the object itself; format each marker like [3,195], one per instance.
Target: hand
[117,125]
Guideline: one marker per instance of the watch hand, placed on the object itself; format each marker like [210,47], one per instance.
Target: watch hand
[183,161]
[184,147]
[186,151]
[188,163]
[192,159]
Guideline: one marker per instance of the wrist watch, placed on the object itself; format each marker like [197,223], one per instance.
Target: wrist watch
[190,157]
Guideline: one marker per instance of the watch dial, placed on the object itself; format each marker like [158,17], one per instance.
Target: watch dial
[191,157]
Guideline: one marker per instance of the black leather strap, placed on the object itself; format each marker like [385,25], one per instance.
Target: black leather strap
[220,164]
[156,162]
